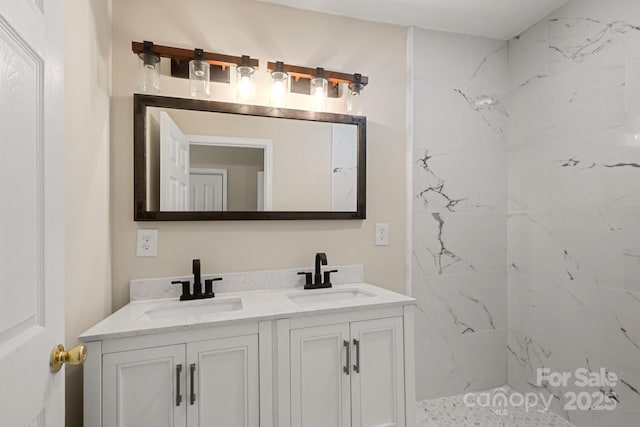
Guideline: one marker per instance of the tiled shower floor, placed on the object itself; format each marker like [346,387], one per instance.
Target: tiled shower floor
[453,412]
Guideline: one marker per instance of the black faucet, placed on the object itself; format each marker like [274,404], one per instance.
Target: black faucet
[197,285]
[318,281]
[321,258]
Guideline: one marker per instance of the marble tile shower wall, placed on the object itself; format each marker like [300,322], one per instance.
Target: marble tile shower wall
[459,212]
[574,205]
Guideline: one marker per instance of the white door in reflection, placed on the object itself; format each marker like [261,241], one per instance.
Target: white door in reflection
[174,166]
[208,190]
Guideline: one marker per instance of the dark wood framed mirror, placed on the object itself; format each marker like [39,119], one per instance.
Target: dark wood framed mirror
[199,160]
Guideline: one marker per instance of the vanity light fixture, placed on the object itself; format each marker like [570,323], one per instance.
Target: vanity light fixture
[244,82]
[148,69]
[302,78]
[318,83]
[319,90]
[220,65]
[279,88]
[199,75]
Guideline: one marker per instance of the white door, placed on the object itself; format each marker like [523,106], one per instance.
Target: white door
[31,214]
[174,166]
[208,190]
[320,376]
[223,383]
[145,388]
[260,191]
[377,381]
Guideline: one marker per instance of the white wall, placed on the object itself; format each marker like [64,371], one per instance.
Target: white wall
[87,229]
[574,193]
[459,212]
[269,33]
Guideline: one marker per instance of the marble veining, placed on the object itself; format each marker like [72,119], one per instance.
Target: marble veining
[574,204]
[531,80]
[579,38]
[445,258]
[574,162]
[436,186]
[484,308]
[570,251]
[459,212]
[493,114]
[486,60]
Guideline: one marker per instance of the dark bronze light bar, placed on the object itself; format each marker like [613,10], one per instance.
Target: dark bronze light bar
[220,63]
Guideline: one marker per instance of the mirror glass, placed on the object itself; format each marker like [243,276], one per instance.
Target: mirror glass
[221,163]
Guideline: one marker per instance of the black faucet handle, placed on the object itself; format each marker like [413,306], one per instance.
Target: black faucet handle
[327,277]
[208,287]
[308,277]
[186,291]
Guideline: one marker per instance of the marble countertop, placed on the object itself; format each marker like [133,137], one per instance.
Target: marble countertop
[169,314]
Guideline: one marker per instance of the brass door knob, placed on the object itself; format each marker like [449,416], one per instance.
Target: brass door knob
[76,356]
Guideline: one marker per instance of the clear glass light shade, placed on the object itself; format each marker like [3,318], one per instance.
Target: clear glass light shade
[354,98]
[149,72]
[244,83]
[199,74]
[319,92]
[279,89]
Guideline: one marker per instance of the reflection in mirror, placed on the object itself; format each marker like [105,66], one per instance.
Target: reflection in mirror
[213,162]
[206,160]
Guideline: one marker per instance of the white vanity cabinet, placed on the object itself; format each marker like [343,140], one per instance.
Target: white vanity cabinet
[348,374]
[320,389]
[347,370]
[141,387]
[377,378]
[198,383]
[318,362]
[223,383]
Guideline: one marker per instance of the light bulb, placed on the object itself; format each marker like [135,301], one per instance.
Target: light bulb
[244,81]
[279,88]
[319,92]
[199,73]
[244,88]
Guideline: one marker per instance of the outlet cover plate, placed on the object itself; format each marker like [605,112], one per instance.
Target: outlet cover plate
[147,244]
[382,234]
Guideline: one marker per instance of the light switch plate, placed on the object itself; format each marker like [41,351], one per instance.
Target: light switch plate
[147,245]
[382,234]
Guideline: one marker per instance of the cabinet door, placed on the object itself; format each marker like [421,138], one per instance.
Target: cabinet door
[223,383]
[377,382]
[144,388]
[319,383]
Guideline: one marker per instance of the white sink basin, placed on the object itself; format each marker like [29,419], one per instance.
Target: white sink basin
[191,309]
[327,295]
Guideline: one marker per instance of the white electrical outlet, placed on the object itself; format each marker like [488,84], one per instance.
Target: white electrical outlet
[382,234]
[147,243]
